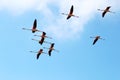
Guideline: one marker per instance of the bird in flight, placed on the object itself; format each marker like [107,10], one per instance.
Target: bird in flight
[96,39]
[70,13]
[34,27]
[107,9]
[38,53]
[51,48]
[42,40]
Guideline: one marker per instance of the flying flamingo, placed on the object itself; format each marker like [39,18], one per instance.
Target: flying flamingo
[51,48]
[43,36]
[38,53]
[34,27]
[70,13]
[96,39]
[106,10]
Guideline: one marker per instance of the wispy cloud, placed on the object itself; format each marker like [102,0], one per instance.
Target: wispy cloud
[17,6]
[60,27]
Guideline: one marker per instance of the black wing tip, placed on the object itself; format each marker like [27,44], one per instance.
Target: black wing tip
[49,53]
[103,14]
[44,33]
[53,44]
[37,56]
[93,43]
[68,17]
[35,19]
[40,43]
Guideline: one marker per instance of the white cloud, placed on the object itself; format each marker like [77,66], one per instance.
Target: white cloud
[60,28]
[72,28]
[17,6]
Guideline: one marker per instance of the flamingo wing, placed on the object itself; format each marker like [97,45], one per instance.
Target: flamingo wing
[95,41]
[71,10]
[68,16]
[103,14]
[44,33]
[49,52]
[34,26]
[52,45]
[107,8]
[38,55]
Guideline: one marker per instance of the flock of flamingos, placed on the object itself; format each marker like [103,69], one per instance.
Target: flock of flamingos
[43,36]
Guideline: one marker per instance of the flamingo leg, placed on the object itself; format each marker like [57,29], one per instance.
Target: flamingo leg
[45,36]
[26,29]
[64,14]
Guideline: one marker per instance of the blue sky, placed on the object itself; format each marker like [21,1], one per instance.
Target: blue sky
[78,59]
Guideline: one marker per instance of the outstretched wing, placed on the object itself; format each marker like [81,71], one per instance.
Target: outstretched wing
[71,10]
[103,14]
[95,41]
[107,8]
[38,55]
[52,45]
[68,16]
[49,52]
[34,25]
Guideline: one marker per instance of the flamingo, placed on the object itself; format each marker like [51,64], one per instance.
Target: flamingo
[38,53]
[51,48]
[42,38]
[34,27]
[96,39]
[107,9]
[70,13]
